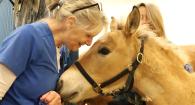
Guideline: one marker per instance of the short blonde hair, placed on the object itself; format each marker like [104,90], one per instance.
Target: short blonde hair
[87,12]
[155,18]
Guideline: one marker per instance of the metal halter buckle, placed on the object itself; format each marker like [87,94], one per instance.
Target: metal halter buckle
[139,57]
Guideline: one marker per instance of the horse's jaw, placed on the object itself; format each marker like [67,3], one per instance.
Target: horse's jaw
[74,87]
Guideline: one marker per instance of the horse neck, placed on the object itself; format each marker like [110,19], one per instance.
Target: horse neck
[161,76]
[162,59]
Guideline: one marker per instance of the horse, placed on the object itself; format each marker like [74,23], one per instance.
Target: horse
[159,78]
[190,51]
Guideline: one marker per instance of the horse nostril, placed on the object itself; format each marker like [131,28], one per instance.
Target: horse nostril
[59,85]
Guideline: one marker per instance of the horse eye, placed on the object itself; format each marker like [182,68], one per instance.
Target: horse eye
[104,51]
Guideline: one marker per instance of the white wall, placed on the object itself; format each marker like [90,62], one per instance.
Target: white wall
[179,19]
[178,15]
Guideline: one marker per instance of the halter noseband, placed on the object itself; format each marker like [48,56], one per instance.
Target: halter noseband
[129,83]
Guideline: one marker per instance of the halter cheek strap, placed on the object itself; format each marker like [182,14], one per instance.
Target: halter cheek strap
[135,64]
[95,86]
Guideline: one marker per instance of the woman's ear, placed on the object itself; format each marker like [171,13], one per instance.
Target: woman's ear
[70,21]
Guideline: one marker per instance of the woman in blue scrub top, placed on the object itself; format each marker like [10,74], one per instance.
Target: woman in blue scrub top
[28,62]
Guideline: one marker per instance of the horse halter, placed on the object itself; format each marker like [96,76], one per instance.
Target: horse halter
[129,82]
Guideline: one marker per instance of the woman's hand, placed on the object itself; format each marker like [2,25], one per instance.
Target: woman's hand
[51,98]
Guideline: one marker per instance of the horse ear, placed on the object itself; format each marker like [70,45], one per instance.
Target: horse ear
[133,21]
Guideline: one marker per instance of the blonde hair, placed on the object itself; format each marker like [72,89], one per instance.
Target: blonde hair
[155,18]
[87,12]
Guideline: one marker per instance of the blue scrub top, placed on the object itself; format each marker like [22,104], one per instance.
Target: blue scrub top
[30,53]
[67,58]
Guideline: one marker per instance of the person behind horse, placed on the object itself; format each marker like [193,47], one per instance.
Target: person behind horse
[151,15]
[28,62]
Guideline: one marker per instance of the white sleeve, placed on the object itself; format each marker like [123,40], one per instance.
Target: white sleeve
[6,79]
